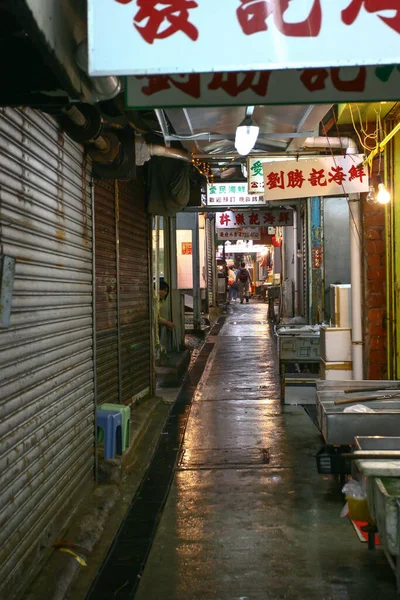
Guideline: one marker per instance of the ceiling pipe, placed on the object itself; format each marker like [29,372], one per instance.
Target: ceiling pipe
[103,88]
[156,150]
[336,143]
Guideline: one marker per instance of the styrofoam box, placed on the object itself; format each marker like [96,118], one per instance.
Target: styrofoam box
[336,371]
[335,344]
[341,305]
[301,347]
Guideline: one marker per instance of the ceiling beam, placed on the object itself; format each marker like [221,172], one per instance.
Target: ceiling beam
[310,120]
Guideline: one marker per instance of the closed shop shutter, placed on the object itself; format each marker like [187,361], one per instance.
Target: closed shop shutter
[122,291]
[106,293]
[134,239]
[211,258]
[46,358]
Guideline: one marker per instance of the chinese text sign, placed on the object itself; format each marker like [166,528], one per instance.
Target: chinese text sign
[324,176]
[232,194]
[259,218]
[302,86]
[138,37]
[246,233]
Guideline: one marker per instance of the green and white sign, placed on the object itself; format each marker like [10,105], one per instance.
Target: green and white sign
[232,194]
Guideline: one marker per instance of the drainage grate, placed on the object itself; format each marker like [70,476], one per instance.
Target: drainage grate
[222,458]
[218,326]
[121,570]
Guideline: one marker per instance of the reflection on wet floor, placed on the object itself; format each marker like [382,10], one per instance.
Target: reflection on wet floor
[248,516]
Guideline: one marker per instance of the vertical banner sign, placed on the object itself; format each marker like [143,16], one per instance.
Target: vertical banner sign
[323,176]
[148,37]
[232,194]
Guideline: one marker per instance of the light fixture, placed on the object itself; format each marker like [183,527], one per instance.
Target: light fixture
[246,133]
[383,196]
[371,193]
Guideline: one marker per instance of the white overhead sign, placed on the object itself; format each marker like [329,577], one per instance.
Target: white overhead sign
[323,176]
[302,86]
[232,194]
[246,233]
[260,218]
[138,37]
[255,175]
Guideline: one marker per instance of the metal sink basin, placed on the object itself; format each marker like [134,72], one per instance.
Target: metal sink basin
[331,386]
[329,397]
[376,443]
[383,503]
[378,467]
[340,428]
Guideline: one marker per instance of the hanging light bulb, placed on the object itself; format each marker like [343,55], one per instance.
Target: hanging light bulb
[371,193]
[246,134]
[383,195]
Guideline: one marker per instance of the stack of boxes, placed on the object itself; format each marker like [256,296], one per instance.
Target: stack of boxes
[336,362]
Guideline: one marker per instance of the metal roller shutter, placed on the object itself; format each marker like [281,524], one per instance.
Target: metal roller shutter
[123,328]
[211,257]
[106,293]
[46,356]
[134,239]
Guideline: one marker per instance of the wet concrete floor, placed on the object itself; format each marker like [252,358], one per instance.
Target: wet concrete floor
[248,517]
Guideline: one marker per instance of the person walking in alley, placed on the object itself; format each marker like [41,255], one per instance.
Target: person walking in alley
[243,280]
[233,286]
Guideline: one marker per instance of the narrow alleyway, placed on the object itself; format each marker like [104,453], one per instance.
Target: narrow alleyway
[248,517]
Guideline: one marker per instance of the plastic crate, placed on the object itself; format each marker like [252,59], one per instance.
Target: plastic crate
[329,461]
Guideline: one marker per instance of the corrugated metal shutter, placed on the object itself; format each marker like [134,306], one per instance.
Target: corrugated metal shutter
[211,257]
[122,291]
[106,293]
[46,357]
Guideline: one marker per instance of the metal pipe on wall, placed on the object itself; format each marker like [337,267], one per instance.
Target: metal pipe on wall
[356,291]
[296,263]
[196,273]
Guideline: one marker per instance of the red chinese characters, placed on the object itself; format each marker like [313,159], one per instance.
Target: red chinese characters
[239,220]
[350,14]
[337,175]
[275,180]
[284,218]
[269,218]
[188,84]
[254,219]
[253,14]
[237,83]
[224,219]
[158,20]
[295,179]
[315,80]
[357,173]
[317,178]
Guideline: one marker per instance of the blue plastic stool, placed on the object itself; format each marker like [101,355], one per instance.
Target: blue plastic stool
[111,424]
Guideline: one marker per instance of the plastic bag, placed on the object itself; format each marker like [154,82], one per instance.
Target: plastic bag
[353,489]
[358,408]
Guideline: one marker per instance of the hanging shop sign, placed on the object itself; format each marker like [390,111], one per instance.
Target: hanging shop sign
[232,194]
[137,37]
[255,175]
[302,86]
[259,218]
[245,233]
[324,176]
